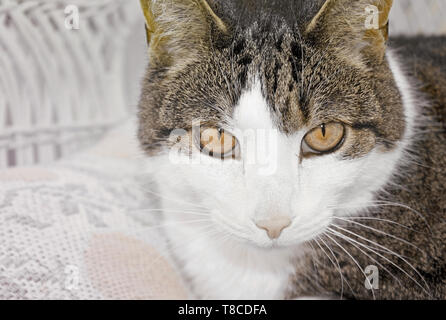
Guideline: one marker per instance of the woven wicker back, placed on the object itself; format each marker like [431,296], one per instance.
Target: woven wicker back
[413,17]
[59,87]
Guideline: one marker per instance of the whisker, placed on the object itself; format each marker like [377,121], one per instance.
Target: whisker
[380,232]
[176,223]
[391,252]
[382,220]
[366,254]
[336,265]
[197,213]
[381,203]
[404,206]
[202,232]
[315,262]
[355,261]
[174,200]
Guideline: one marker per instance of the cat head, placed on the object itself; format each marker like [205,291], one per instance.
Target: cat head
[272,117]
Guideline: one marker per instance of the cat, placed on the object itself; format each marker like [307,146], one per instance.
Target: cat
[294,152]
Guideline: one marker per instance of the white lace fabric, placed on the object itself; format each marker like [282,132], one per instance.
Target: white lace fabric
[82,229]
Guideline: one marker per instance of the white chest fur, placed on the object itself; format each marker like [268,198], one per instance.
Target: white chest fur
[228,270]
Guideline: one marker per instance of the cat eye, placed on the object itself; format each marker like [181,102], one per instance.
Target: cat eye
[324,139]
[218,143]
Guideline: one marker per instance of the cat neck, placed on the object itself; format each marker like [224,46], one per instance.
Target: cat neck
[221,268]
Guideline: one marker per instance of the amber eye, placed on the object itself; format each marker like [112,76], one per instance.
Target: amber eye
[323,139]
[218,143]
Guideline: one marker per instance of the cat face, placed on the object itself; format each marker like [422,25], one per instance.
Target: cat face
[271,129]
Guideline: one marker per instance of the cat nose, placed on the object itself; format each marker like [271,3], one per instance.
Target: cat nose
[274,226]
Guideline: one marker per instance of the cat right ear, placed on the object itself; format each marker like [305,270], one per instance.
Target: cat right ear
[358,29]
[178,30]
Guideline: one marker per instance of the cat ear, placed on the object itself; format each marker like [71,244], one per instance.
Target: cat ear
[353,25]
[178,29]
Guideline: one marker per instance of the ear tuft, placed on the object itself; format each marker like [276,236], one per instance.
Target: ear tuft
[149,18]
[378,34]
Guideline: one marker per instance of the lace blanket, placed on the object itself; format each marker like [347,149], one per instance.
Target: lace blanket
[82,229]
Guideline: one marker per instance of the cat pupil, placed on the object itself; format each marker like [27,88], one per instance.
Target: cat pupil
[323,130]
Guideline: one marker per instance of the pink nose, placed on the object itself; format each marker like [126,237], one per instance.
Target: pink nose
[274,226]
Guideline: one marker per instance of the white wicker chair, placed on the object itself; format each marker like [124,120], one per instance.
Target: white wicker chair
[60,89]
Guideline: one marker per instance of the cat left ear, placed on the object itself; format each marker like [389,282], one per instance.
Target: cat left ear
[353,25]
[178,29]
